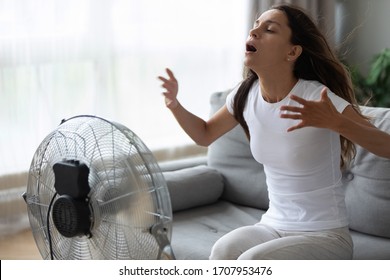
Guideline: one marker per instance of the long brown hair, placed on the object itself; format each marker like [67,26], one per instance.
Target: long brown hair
[316,62]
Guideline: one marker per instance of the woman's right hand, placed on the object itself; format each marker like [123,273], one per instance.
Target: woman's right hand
[172,87]
[203,133]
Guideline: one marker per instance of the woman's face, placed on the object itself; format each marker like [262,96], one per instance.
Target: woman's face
[268,45]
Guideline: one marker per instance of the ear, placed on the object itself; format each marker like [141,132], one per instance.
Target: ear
[295,52]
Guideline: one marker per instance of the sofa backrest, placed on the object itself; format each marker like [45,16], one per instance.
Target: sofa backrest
[230,155]
[367,180]
[367,184]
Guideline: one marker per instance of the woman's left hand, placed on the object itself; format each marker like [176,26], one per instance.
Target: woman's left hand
[320,113]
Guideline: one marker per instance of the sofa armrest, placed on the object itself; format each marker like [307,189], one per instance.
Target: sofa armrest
[177,164]
[194,186]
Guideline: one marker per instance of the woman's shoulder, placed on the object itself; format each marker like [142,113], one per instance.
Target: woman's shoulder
[310,84]
[309,89]
[254,89]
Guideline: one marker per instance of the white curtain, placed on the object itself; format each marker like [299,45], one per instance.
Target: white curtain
[63,58]
[102,57]
[322,11]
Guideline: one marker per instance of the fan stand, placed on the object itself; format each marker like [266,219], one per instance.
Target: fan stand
[165,252]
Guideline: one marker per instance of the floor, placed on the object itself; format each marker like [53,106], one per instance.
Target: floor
[19,246]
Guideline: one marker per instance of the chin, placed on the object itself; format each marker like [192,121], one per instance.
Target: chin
[249,64]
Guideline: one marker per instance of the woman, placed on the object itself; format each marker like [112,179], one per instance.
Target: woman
[298,109]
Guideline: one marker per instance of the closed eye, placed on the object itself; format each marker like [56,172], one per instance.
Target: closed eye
[270,28]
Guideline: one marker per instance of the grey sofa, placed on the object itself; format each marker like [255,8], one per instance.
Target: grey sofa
[225,190]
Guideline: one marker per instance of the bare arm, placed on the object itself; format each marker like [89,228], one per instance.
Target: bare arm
[202,132]
[363,133]
[349,123]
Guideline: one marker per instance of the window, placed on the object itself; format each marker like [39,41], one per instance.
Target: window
[59,59]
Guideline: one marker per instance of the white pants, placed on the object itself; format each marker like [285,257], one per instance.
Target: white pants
[261,242]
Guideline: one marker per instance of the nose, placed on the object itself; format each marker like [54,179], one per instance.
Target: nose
[253,33]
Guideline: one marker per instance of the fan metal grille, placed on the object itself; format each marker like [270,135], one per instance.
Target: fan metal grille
[128,192]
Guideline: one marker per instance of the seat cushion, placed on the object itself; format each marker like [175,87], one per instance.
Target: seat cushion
[196,230]
[368,247]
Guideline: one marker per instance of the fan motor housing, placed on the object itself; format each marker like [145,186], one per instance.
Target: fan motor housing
[72,217]
[71,178]
[71,211]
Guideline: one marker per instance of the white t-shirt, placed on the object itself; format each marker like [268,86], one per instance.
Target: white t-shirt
[302,167]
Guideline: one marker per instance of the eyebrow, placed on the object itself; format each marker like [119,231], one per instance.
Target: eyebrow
[269,22]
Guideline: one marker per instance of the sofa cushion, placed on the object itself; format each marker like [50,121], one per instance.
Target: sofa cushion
[231,156]
[368,184]
[195,231]
[192,187]
[368,247]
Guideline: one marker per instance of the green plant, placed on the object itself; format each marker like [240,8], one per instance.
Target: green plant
[375,88]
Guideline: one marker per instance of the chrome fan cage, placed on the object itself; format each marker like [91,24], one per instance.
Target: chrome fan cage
[108,201]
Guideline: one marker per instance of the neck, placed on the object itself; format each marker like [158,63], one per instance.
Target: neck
[274,89]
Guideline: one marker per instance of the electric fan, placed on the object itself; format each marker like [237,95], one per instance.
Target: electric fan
[95,191]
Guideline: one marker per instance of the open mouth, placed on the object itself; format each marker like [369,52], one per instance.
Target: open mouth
[250,48]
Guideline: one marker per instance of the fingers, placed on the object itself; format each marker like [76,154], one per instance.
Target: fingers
[294,112]
[171,77]
[170,74]
[294,109]
[324,97]
[298,99]
[170,83]
[324,94]
[163,79]
[308,112]
[291,116]
[295,127]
